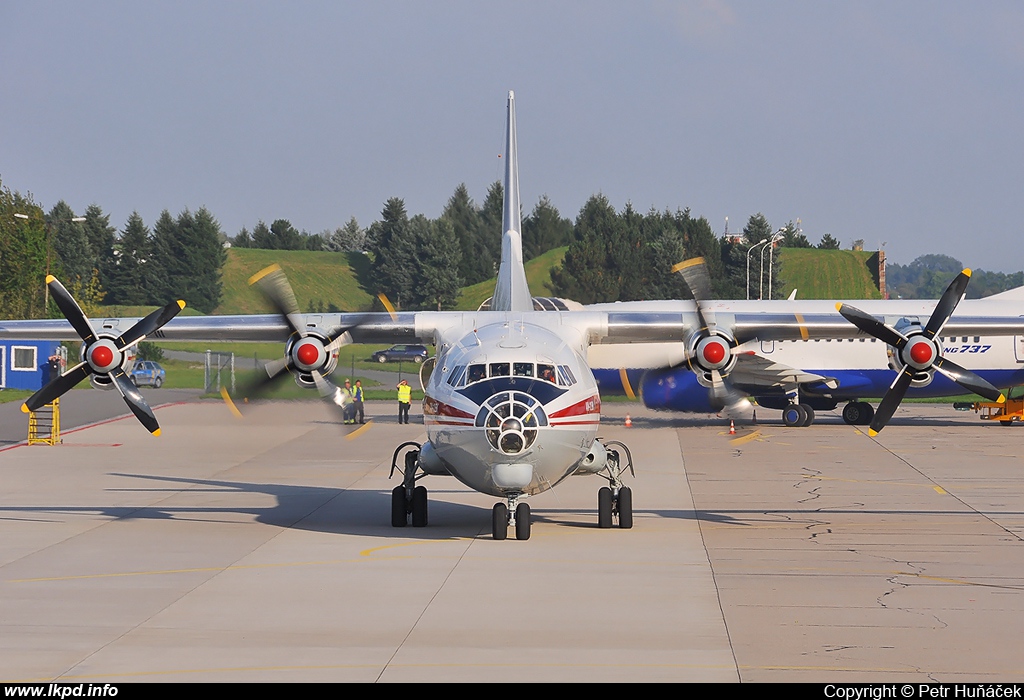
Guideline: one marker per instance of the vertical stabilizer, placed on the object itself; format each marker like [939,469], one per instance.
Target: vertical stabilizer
[511,293]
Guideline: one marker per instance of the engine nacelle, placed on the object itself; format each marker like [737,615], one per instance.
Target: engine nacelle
[676,390]
[308,354]
[595,460]
[919,353]
[103,357]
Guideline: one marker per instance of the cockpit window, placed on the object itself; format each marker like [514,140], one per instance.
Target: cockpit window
[456,375]
[476,373]
[522,369]
[565,377]
[499,369]
[546,372]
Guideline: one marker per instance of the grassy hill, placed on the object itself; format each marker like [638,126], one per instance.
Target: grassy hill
[538,276]
[829,274]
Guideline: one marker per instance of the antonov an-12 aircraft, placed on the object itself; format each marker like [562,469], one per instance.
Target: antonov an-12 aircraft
[512,406]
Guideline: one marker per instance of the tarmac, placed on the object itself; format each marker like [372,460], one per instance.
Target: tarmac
[261,550]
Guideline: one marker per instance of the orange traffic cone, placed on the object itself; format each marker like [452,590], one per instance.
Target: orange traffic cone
[732,427]
[629,421]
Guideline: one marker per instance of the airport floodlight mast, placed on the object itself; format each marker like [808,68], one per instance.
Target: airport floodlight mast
[749,251]
[771,258]
[771,245]
[48,224]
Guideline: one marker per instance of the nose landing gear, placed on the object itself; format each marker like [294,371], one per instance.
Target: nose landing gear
[408,501]
[515,514]
[615,500]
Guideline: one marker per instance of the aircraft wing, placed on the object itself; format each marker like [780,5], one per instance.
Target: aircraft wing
[755,371]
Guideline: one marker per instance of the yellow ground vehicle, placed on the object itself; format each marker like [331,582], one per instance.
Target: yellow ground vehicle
[1007,413]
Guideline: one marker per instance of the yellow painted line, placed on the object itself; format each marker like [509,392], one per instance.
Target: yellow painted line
[939,489]
[745,438]
[359,431]
[960,582]
[263,273]
[625,384]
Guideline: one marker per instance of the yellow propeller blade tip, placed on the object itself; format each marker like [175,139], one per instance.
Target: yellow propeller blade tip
[687,263]
[50,278]
[181,303]
[872,433]
[231,404]
[156,433]
[839,306]
[1001,399]
[263,273]
[387,305]
[967,271]
[24,408]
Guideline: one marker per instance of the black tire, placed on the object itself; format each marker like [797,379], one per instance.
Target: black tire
[1006,422]
[158,383]
[419,506]
[523,521]
[417,359]
[809,417]
[852,413]
[381,359]
[499,521]
[604,507]
[793,415]
[867,412]
[398,507]
[625,508]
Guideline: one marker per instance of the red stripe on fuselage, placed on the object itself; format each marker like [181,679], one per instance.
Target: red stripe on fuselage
[433,407]
[585,407]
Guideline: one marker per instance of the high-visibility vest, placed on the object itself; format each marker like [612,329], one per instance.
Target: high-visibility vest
[404,393]
[359,393]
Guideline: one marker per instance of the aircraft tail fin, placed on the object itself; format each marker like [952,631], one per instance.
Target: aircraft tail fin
[511,292]
[1015,294]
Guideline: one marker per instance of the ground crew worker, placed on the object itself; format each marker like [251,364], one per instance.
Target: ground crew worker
[404,398]
[357,401]
[346,400]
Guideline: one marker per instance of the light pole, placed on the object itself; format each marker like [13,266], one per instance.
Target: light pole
[749,251]
[771,258]
[49,226]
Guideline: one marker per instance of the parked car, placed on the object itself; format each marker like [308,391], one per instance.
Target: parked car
[148,373]
[400,353]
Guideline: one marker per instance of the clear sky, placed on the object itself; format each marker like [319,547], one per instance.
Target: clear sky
[896,122]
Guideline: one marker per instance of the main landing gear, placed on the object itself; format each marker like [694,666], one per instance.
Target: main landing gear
[515,514]
[408,501]
[615,500]
[858,413]
[797,415]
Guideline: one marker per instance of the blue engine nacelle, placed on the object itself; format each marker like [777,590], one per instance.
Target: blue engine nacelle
[675,390]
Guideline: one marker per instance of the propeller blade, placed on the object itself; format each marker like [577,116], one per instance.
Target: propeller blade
[149,324]
[273,371]
[891,401]
[56,388]
[947,303]
[133,397]
[71,310]
[734,402]
[968,380]
[871,325]
[274,285]
[698,279]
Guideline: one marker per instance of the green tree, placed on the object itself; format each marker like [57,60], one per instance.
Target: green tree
[590,272]
[461,212]
[22,256]
[242,240]
[128,279]
[437,285]
[286,236]
[200,237]
[544,229]
[101,241]
[72,255]
[262,237]
[828,242]
[349,238]
[793,237]
[393,271]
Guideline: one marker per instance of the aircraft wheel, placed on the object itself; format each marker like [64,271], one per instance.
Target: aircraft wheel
[625,508]
[499,521]
[398,507]
[604,507]
[419,506]
[523,521]
[867,412]
[1006,422]
[810,415]
[852,413]
[793,415]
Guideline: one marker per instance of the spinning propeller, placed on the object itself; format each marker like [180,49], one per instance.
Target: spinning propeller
[712,352]
[103,355]
[919,352]
[309,350]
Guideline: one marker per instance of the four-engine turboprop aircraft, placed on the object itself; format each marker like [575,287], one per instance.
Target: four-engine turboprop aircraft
[512,406]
